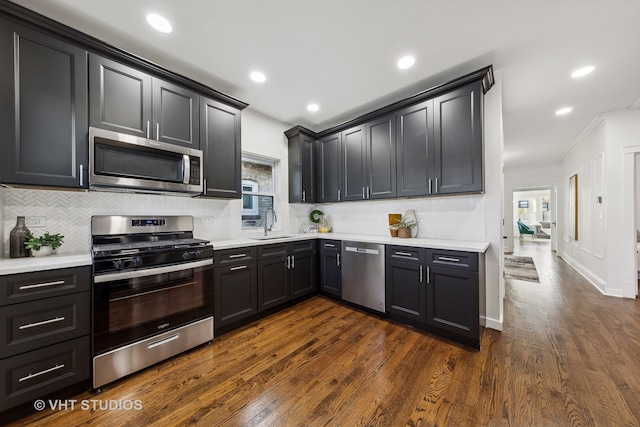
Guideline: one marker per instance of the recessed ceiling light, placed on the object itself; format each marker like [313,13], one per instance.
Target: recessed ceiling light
[257,76]
[159,23]
[313,107]
[562,111]
[406,62]
[583,71]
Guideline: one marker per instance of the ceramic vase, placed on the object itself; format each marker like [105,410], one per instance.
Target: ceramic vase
[17,237]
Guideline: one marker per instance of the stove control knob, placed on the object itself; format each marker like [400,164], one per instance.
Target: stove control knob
[137,261]
[198,253]
[118,264]
[185,255]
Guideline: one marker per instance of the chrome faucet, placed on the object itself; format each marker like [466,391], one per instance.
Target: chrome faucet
[266,219]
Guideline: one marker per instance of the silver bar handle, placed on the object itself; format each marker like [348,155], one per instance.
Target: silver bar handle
[81,175]
[148,129]
[404,254]
[37,374]
[204,186]
[240,267]
[164,341]
[158,131]
[41,285]
[186,168]
[151,271]
[44,322]
[429,185]
[338,195]
[293,261]
[363,192]
[329,245]
[368,193]
[421,274]
[304,196]
[436,185]
[288,262]
[237,255]
[338,261]
[446,258]
[428,275]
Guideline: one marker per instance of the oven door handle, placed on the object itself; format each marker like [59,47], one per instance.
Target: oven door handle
[112,277]
[186,168]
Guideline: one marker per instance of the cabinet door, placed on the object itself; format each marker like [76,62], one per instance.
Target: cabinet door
[176,114]
[406,290]
[415,149]
[302,179]
[220,142]
[43,109]
[458,140]
[120,97]
[381,157]
[354,164]
[328,152]
[235,292]
[330,272]
[272,282]
[453,301]
[303,274]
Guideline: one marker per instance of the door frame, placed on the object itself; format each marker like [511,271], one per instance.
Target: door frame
[629,226]
[553,209]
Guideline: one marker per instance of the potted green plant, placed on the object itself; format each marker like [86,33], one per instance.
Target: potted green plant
[403,227]
[43,245]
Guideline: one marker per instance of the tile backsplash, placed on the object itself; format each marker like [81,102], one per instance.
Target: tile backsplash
[69,213]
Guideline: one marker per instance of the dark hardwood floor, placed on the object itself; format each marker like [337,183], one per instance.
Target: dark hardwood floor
[568,356]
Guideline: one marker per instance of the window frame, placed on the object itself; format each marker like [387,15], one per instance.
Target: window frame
[275,168]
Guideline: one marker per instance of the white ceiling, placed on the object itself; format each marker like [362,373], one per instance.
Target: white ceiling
[341,54]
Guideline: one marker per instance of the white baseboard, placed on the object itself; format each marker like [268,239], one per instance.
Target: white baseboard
[597,283]
[493,323]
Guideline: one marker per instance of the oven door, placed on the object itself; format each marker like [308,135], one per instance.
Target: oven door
[132,305]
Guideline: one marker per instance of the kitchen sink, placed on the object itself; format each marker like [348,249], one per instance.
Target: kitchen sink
[274,237]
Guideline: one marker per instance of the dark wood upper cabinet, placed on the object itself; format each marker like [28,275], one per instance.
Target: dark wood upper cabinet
[458,140]
[328,161]
[124,99]
[43,109]
[381,157]
[302,176]
[354,167]
[176,114]
[120,97]
[415,150]
[220,141]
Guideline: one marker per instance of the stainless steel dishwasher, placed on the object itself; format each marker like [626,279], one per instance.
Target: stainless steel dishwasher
[363,274]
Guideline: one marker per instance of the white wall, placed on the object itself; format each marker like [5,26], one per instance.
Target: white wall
[637,192]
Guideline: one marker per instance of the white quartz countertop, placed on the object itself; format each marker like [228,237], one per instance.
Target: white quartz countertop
[455,245]
[51,262]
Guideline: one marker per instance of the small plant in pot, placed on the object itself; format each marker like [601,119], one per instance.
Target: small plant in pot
[43,245]
[403,227]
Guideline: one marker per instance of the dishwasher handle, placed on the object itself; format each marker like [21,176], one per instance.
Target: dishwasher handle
[362,250]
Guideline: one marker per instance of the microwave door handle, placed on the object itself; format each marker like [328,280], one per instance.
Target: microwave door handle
[186,169]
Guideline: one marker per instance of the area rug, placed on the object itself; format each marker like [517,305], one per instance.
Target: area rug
[520,268]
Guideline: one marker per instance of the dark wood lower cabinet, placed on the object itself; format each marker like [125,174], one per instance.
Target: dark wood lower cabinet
[330,271]
[272,277]
[235,290]
[405,290]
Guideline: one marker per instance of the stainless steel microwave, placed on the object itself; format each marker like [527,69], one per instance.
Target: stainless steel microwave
[123,162]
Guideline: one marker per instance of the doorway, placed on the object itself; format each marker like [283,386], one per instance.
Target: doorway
[536,208]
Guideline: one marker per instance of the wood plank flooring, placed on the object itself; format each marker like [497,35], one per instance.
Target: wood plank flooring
[568,356]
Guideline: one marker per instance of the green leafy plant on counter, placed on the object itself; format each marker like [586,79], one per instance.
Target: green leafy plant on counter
[36,243]
[403,224]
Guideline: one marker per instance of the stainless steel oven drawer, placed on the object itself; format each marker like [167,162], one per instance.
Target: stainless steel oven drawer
[126,360]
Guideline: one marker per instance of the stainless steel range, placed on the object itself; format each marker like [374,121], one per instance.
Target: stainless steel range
[152,292]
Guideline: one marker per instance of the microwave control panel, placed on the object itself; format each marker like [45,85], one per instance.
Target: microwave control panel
[194,176]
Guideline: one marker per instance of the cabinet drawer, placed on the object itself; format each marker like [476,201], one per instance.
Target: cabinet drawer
[24,287]
[44,322]
[404,253]
[303,246]
[32,375]
[231,256]
[330,245]
[270,251]
[453,259]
